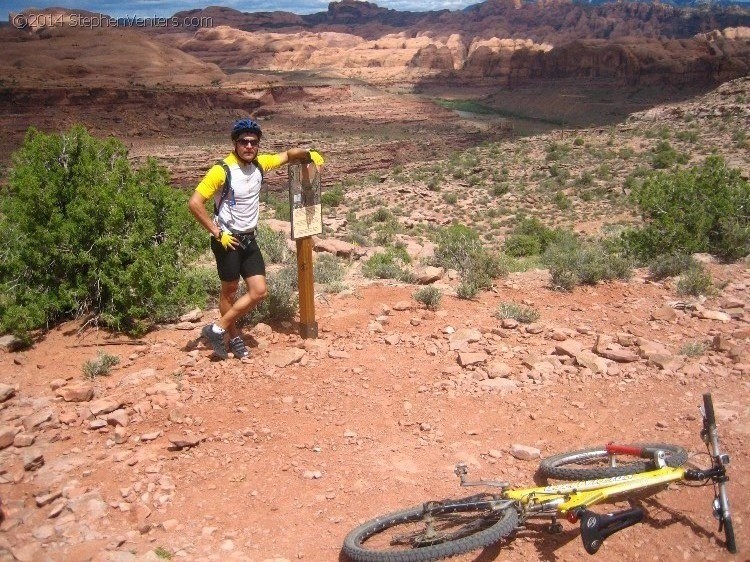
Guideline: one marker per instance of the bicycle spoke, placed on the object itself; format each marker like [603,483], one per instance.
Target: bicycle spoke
[428,531]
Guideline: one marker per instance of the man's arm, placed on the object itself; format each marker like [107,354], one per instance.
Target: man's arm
[197,205]
[294,155]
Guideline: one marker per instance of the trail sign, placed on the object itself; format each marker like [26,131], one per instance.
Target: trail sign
[304,200]
[306,216]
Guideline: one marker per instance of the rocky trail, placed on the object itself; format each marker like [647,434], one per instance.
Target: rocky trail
[176,456]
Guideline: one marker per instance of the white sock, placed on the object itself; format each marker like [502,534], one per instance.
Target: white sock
[216,329]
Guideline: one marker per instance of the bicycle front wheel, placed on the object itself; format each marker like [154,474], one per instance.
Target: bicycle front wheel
[587,464]
[412,535]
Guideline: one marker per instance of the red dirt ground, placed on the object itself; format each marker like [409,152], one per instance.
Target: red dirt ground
[291,458]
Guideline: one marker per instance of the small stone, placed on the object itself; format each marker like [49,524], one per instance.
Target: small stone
[498,369]
[118,418]
[22,440]
[524,452]
[79,392]
[6,392]
[47,499]
[509,323]
[403,305]
[7,435]
[664,314]
[570,348]
[170,525]
[192,316]
[10,343]
[184,441]
[466,358]
[104,406]
[33,459]
[150,436]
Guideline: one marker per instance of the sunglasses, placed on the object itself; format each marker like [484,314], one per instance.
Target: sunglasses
[248,142]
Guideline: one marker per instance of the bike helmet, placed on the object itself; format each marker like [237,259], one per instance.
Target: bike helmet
[245,126]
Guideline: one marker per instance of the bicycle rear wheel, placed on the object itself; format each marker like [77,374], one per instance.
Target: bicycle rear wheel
[587,464]
[412,535]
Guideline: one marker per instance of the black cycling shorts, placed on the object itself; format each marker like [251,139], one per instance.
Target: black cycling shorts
[245,262]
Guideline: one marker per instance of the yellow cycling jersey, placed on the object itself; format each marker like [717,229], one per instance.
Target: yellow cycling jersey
[239,210]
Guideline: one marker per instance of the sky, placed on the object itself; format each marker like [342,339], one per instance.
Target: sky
[166,8]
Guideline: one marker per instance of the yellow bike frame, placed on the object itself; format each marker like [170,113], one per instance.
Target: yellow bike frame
[573,495]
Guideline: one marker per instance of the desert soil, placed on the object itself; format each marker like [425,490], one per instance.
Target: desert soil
[294,447]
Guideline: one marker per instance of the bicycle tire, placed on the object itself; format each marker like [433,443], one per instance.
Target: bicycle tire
[491,526]
[587,464]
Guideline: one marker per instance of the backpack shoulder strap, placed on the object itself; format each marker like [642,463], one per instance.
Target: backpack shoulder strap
[258,165]
[225,187]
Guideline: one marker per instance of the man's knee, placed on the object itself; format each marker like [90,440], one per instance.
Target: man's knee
[257,288]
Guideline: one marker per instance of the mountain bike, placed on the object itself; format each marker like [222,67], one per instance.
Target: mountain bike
[445,528]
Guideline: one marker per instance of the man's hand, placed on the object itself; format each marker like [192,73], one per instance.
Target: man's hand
[316,158]
[226,239]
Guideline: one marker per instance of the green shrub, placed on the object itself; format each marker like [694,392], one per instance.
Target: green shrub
[382,214]
[328,270]
[429,296]
[517,312]
[385,233]
[332,197]
[740,138]
[282,300]
[688,136]
[701,209]
[389,264]
[459,248]
[556,151]
[518,245]
[467,290]
[696,281]
[693,349]
[450,198]
[670,265]
[163,553]
[574,263]
[585,179]
[83,233]
[500,189]
[664,155]
[101,366]
[531,237]
[272,244]
[561,201]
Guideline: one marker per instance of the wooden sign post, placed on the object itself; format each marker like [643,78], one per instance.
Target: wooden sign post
[307,220]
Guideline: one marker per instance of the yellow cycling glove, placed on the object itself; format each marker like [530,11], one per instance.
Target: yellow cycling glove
[316,158]
[226,239]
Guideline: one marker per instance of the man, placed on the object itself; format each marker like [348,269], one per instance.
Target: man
[234,184]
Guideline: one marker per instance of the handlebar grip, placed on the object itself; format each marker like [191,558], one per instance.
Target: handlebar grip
[708,406]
